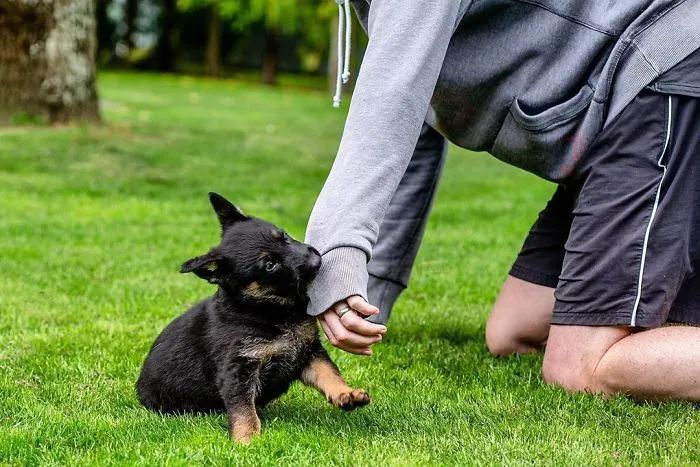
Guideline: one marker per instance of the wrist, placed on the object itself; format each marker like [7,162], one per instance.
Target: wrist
[343,273]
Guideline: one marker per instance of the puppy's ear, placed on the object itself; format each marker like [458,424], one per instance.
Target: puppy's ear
[226,211]
[209,267]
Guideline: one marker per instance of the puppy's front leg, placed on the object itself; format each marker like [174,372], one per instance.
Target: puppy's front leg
[238,388]
[322,374]
[243,422]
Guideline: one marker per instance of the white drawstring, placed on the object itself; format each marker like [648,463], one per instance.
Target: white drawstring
[348,42]
[343,70]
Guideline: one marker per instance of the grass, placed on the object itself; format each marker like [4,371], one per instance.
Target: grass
[94,223]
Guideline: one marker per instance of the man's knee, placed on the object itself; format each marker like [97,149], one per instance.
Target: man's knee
[498,342]
[573,378]
[575,358]
[501,339]
[505,337]
[599,380]
[519,321]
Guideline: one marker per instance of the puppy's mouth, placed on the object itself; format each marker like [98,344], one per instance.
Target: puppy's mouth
[304,284]
[307,272]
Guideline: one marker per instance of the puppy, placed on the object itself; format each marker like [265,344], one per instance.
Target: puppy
[241,348]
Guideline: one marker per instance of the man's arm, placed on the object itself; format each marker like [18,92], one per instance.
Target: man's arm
[407,45]
[404,223]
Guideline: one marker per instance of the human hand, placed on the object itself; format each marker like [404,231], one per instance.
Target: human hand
[351,332]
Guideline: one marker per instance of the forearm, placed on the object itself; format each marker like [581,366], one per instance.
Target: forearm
[399,236]
[391,99]
[406,217]
[403,226]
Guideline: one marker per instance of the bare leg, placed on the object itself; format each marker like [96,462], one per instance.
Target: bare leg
[322,374]
[519,322]
[658,364]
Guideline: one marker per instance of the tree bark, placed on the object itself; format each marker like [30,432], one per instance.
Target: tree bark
[213,64]
[270,63]
[47,60]
[165,49]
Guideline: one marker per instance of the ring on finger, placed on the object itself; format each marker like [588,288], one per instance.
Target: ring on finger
[343,311]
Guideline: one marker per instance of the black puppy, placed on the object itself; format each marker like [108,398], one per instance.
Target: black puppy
[243,347]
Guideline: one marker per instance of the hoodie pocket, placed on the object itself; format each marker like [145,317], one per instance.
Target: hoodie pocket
[548,143]
[552,116]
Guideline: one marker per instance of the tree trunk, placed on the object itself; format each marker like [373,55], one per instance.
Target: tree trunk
[270,56]
[47,60]
[132,10]
[165,50]
[213,65]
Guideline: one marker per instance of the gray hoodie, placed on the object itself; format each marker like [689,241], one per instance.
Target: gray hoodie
[532,82]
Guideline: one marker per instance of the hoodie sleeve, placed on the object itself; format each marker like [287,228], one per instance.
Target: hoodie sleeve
[407,45]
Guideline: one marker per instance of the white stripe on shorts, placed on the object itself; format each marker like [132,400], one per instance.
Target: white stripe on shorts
[651,219]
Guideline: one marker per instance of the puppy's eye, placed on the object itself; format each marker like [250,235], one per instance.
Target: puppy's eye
[270,266]
[285,237]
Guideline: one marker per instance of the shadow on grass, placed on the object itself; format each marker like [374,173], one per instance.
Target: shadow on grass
[321,419]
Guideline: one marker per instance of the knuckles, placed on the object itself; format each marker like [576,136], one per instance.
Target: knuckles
[343,337]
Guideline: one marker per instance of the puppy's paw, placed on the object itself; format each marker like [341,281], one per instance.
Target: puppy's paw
[245,429]
[244,438]
[351,400]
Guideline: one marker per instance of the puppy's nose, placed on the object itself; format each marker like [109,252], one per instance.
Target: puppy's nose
[313,259]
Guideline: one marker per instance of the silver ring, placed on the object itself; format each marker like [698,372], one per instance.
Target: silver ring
[344,311]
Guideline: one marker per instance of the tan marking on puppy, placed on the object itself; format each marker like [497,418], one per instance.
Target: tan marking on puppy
[324,376]
[255,290]
[244,424]
[260,349]
[260,292]
[289,341]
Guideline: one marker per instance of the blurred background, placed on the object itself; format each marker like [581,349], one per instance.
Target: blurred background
[50,50]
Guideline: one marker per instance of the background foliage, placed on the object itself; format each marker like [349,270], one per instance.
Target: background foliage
[302,30]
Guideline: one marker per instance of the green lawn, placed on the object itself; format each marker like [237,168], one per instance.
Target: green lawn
[94,223]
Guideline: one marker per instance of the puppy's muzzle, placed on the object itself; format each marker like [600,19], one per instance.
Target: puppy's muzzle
[311,265]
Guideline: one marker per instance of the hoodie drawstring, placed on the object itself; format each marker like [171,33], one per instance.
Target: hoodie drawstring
[343,71]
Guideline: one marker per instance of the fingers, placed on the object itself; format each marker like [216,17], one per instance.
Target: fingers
[355,323]
[359,304]
[352,333]
[336,343]
[346,336]
[340,306]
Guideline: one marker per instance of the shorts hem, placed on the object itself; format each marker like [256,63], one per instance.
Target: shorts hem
[533,276]
[585,319]
[568,318]
[685,315]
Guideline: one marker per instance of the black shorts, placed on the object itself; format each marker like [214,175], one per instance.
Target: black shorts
[620,240]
